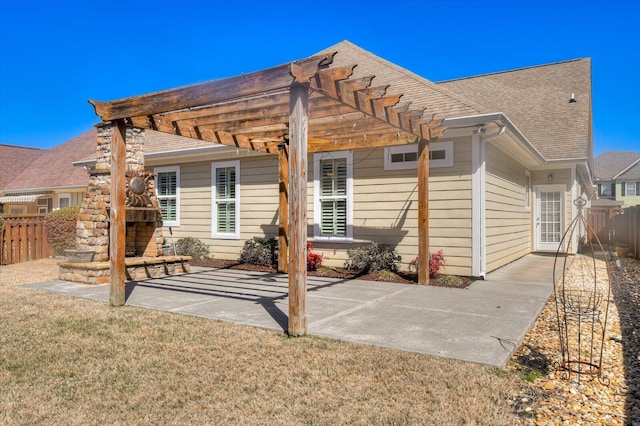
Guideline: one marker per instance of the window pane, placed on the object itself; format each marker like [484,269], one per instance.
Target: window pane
[333,180]
[334,217]
[397,158]
[167,183]
[226,182]
[169,206]
[411,156]
[64,202]
[437,155]
[226,217]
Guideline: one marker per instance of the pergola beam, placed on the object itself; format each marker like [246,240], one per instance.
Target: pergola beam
[272,79]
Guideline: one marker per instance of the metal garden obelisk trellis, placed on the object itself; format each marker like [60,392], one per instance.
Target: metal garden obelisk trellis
[582,297]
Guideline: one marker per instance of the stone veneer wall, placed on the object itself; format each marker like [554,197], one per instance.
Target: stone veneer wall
[92,231]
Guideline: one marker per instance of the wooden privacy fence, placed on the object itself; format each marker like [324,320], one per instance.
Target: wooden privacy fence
[626,227]
[615,226]
[23,238]
[600,223]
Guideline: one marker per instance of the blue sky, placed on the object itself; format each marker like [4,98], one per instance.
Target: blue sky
[56,54]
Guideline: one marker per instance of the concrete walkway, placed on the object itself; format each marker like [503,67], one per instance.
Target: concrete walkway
[483,323]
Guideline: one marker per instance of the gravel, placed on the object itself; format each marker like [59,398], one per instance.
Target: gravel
[553,398]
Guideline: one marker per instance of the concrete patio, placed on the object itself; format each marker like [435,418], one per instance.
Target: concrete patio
[483,323]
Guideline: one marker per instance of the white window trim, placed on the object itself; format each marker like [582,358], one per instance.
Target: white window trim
[317,237]
[446,146]
[527,191]
[169,169]
[214,217]
[61,196]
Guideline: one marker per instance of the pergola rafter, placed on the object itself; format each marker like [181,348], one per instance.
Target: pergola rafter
[291,110]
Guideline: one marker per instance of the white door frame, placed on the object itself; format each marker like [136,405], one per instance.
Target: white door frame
[562,188]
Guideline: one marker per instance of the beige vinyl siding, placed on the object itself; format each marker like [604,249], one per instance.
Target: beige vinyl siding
[384,207]
[508,232]
[258,204]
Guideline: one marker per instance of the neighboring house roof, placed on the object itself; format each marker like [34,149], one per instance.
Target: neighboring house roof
[422,93]
[13,160]
[536,100]
[610,164]
[54,168]
[631,173]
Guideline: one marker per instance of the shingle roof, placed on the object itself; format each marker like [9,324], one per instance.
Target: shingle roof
[633,173]
[158,142]
[536,100]
[610,163]
[13,160]
[53,168]
[437,99]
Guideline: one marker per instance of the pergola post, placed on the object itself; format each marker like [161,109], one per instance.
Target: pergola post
[423,211]
[298,131]
[117,214]
[283,209]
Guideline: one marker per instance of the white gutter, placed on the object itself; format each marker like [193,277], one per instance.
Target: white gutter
[504,121]
[478,199]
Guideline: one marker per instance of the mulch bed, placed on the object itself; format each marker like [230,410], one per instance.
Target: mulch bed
[341,273]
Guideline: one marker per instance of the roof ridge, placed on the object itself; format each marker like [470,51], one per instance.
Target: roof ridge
[23,147]
[514,70]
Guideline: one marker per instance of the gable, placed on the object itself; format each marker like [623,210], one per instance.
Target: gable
[609,164]
[633,173]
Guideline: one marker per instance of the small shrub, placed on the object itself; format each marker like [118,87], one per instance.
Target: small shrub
[452,280]
[260,251]
[387,275]
[314,260]
[436,262]
[372,258]
[60,226]
[193,247]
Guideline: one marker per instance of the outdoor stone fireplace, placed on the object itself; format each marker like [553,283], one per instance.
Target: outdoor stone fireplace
[143,219]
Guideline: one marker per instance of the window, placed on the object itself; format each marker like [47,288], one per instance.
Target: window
[527,190]
[333,196]
[64,200]
[225,194]
[168,190]
[607,190]
[406,156]
[630,189]
[43,205]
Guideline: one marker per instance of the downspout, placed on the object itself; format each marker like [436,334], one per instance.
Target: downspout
[478,204]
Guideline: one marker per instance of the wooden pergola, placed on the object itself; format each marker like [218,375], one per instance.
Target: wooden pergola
[291,110]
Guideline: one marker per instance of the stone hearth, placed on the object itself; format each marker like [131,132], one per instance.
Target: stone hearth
[137,268]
